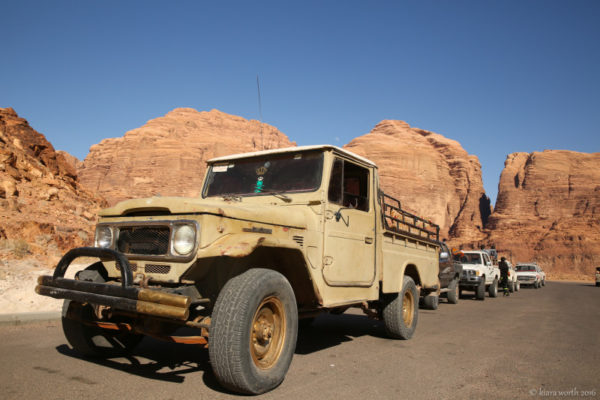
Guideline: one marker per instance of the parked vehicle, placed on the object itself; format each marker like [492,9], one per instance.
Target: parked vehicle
[449,276]
[275,236]
[542,275]
[513,283]
[479,274]
[529,274]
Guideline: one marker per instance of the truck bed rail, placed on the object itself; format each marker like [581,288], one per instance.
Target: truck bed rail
[397,220]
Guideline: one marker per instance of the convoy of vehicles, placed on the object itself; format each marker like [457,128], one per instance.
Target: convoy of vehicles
[275,238]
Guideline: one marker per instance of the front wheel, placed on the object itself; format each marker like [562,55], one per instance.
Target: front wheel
[92,341]
[401,311]
[480,291]
[253,331]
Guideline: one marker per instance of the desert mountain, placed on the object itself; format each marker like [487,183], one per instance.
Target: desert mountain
[43,209]
[167,155]
[548,210]
[431,175]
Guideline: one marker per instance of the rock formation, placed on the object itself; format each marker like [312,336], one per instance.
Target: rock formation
[548,210]
[434,177]
[167,155]
[43,209]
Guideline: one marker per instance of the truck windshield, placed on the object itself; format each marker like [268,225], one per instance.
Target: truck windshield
[471,259]
[278,173]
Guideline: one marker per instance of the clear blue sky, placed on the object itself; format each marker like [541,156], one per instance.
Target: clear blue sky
[497,76]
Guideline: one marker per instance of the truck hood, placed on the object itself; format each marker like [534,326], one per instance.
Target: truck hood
[263,213]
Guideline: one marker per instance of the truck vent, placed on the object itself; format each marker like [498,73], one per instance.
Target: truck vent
[299,240]
[151,241]
[157,269]
[132,265]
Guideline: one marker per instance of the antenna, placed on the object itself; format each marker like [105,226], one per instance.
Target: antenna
[262,143]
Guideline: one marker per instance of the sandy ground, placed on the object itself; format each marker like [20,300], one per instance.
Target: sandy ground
[17,286]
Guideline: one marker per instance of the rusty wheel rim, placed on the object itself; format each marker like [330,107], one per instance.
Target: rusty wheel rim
[408,307]
[267,333]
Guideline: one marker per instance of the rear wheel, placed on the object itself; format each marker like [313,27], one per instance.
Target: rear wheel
[493,289]
[480,291]
[517,286]
[401,311]
[253,331]
[453,292]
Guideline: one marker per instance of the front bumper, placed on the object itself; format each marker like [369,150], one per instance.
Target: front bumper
[468,280]
[125,297]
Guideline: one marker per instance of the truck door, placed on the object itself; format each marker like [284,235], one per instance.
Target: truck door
[349,248]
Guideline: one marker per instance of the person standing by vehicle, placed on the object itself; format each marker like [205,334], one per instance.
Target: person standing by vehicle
[503,266]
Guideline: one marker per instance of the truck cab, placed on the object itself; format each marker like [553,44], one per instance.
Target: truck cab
[479,274]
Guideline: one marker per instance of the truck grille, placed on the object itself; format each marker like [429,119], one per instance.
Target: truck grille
[151,240]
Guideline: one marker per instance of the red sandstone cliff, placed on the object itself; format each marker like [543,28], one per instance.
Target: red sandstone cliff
[43,209]
[167,155]
[548,209]
[432,176]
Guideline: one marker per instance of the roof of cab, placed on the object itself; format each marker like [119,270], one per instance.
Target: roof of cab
[336,149]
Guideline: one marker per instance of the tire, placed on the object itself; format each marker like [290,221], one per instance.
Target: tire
[511,287]
[493,289]
[597,284]
[253,331]
[401,311]
[453,292]
[92,341]
[480,291]
[88,340]
[517,286]
[543,282]
[430,302]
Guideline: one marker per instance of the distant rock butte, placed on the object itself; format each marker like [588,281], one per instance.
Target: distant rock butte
[548,209]
[168,155]
[43,209]
[434,177]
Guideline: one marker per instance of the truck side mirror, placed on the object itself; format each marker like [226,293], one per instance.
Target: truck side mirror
[444,255]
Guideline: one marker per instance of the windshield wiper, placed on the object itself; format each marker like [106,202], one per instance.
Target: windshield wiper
[232,197]
[279,195]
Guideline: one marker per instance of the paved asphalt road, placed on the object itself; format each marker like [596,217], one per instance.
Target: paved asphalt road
[534,344]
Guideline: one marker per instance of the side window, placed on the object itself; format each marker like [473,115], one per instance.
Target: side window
[349,185]
[486,259]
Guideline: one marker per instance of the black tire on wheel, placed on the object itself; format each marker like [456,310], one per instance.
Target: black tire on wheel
[431,301]
[401,311]
[597,284]
[92,341]
[480,290]
[536,285]
[517,286]
[511,286]
[493,289]
[253,331]
[453,292]
[543,282]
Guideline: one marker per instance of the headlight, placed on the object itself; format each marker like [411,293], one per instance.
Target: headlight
[104,236]
[184,239]
[477,273]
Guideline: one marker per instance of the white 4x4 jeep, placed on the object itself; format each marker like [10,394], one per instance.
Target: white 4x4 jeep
[479,274]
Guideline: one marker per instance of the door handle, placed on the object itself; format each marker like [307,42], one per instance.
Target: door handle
[368,240]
